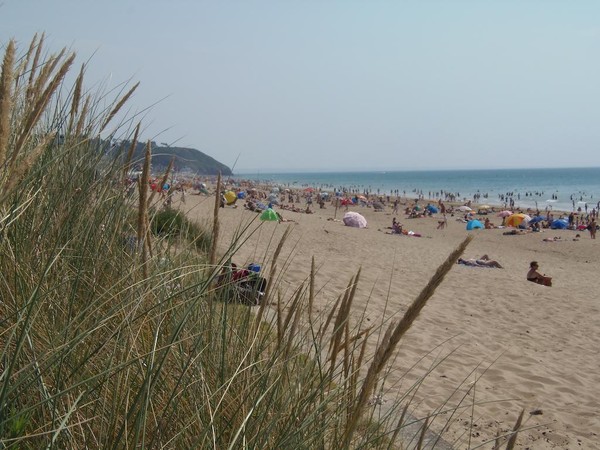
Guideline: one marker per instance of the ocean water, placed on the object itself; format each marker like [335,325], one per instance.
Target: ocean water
[557,189]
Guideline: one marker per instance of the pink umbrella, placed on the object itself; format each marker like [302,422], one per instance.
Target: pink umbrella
[504,213]
[354,219]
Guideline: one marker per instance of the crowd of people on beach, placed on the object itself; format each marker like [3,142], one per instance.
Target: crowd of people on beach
[260,197]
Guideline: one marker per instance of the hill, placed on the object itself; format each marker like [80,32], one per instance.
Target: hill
[186,159]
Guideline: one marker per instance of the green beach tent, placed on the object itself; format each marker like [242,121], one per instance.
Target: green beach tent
[269,215]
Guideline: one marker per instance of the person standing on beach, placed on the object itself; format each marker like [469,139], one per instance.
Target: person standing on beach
[592,227]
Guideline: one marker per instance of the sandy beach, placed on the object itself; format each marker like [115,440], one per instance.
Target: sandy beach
[527,346]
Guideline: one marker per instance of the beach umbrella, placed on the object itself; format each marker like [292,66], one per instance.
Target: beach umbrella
[464,208]
[241,195]
[309,189]
[432,209]
[230,197]
[536,219]
[275,190]
[269,215]
[361,197]
[504,213]
[346,201]
[474,224]
[354,219]
[559,224]
[516,219]
[485,207]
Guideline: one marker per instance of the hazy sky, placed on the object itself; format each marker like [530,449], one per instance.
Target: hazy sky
[345,85]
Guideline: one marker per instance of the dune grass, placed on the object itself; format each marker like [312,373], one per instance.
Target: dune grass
[104,344]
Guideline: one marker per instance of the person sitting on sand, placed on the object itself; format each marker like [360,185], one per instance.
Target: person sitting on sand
[484,261]
[536,277]
[488,224]
[396,227]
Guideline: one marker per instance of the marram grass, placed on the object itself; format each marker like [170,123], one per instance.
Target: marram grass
[104,344]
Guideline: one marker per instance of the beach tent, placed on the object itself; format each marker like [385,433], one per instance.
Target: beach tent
[559,224]
[474,224]
[275,190]
[230,197]
[354,219]
[516,219]
[203,191]
[241,195]
[269,215]
[377,206]
[432,209]
[505,213]
[273,198]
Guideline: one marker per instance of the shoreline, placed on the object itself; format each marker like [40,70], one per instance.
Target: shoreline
[536,188]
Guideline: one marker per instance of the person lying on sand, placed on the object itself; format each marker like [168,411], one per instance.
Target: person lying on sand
[484,261]
[554,239]
[536,277]
[516,231]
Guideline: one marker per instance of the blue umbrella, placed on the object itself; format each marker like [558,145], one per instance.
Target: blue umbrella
[473,224]
[559,224]
[536,219]
[432,209]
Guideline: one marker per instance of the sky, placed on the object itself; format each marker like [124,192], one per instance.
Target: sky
[310,85]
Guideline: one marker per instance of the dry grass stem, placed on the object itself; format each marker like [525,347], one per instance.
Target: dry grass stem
[83,116]
[40,106]
[143,208]
[45,73]
[271,278]
[15,177]
[311,291]
[127,165]
[6,98]
[76,98]
[510,445]
[212,257]
[34,66]
[395,332]
[118,106]
[163,181]
[422,434]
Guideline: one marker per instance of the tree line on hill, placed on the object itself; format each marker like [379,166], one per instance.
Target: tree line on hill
[186,159]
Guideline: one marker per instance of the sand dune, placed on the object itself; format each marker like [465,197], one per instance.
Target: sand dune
[539,345]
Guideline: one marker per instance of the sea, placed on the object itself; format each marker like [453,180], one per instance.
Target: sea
[566,189]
